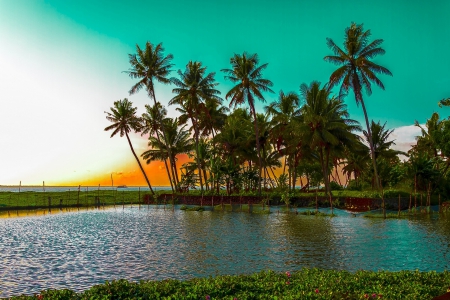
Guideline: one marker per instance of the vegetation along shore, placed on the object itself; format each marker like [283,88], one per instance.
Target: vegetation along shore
[303,284]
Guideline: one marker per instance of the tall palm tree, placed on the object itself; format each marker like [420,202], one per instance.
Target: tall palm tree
[194,87]
[247,75]
[124,119]
[149,65]
[152,121]
[328,122]
[356,70]
[285,113]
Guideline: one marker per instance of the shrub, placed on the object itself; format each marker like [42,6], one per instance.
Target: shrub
[303,284]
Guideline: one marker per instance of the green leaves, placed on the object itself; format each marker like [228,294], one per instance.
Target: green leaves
[303,284]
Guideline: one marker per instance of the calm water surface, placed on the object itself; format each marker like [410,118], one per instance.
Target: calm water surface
[80,249]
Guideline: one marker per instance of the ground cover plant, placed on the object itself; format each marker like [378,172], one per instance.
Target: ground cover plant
[303,284]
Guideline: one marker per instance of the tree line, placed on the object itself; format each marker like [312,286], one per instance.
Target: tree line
[309,135]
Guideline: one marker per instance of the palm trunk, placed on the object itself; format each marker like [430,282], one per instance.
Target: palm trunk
[139,163]
[169,151]
[372,149]
[252,107]
[200,177]
[168,175]
[162,155]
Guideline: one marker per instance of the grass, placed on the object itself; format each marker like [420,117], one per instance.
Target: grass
[303,284]
[36,200]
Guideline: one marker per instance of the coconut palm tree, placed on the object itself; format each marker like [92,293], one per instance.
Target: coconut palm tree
[381,144]
[429,141]
[124,119]
[247,75]
[285,114]
[152,120]
[356,70]
[179,142]
[194,87]
[149,65]
[212,117]
[328,122]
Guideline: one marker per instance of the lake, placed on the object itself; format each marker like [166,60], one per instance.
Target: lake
[76,250]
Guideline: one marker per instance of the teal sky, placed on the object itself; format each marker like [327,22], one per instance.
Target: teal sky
[62,64]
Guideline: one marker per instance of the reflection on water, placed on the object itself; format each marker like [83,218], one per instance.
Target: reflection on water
[79,249]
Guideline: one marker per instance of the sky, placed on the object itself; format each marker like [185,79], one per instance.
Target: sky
[62,66]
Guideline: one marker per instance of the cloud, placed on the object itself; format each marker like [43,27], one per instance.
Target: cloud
[405,137]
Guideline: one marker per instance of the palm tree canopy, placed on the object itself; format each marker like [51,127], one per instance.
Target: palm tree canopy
[357,70]
[179,142]
[248,76]
[194,87]
[380,137]
[152,118]
[147,65]
[124,119]
[327,118]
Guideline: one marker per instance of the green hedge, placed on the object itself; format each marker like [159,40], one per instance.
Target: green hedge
[304,284]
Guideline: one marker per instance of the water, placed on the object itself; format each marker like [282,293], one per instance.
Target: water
[15,188]
[79,249]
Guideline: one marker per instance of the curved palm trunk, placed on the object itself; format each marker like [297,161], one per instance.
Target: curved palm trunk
[200,177]
[165,162]
[372,149]
[139,163]
[169,151]
[258,147]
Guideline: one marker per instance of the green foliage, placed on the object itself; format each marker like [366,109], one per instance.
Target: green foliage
[335,186]
[394,193]
[314,213]
[303,284]
[192,208]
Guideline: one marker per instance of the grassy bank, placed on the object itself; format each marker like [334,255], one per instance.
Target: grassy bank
[84,198]
[304,284]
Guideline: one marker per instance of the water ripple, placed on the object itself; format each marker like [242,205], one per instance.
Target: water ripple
[78,250]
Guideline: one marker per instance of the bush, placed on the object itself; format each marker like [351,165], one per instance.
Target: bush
[303,284]
[395,193]
[335,186]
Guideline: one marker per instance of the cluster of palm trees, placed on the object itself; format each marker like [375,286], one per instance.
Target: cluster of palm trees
[308,135]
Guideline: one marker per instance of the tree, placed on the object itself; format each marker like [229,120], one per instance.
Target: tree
[328,122]
[429,141]
[194,87]
[153,119]
[124,119]
[357,71]
[385,156]
[150,65]
[247,76]
[179,142]
[286,114]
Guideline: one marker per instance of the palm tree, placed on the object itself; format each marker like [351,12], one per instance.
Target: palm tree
[429,140]
[328,122]
[381,144]
[179,142]
[356,70]
[212,117]
[152,120]
[250,84]
[123,116]
[285,114]
[192,90]
[150,65]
